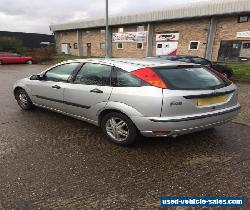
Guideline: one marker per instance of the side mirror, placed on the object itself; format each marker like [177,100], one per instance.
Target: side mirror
[35,77]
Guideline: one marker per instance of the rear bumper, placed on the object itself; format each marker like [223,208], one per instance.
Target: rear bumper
[184,124]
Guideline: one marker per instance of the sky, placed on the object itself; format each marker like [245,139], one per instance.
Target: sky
[35,16]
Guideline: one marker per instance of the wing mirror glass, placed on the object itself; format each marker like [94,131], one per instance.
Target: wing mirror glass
[35,77]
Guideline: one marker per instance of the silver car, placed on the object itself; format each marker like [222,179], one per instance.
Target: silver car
[128,97]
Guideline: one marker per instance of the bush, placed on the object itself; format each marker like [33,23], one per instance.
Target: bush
[44,54]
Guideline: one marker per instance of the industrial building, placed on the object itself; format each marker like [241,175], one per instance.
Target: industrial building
[215,29]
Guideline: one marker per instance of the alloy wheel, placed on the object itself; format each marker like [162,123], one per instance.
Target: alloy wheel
[117,129]
[23,99]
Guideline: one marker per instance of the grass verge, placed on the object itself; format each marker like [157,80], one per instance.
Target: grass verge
[241,71]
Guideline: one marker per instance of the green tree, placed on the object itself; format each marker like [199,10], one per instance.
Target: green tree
[10,44]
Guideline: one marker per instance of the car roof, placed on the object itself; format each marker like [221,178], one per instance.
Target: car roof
[131,64]
[180,56]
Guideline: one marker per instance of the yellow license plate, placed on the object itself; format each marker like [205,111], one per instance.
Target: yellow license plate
[210,101]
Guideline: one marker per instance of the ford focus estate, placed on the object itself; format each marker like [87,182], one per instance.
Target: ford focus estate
[128,97]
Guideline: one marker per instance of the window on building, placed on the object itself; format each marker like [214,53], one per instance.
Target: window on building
[75,46]
[139,45]
[159,45]
[246,45]
[140,28]
[193,45]
[120,30]
[89,33]
[119,45]
[242,18]
[236,46]
[103,31]
[102,45]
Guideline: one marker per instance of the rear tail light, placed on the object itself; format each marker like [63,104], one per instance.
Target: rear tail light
[149,76]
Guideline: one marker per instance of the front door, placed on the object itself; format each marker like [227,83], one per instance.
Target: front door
[89,49]
[90,91]
[48,92]
[229,50]
[65,48]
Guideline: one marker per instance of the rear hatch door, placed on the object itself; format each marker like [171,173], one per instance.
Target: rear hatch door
[194,90]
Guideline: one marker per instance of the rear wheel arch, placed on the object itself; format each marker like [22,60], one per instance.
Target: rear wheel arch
[107,111]
[111,110]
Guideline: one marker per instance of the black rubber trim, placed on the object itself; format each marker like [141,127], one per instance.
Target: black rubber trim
[209,95]
[198,117]
[64,102]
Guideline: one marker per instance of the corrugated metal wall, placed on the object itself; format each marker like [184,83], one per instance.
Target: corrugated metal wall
[207,8]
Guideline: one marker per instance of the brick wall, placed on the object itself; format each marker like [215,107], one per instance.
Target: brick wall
[95,37]
[129,49]
[69,37]
[227,28]
[190,30]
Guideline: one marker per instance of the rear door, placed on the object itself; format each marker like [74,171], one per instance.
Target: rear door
[89,91]
[194,90]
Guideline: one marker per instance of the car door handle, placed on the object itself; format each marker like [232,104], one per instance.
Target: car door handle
[56,87]
[96,91]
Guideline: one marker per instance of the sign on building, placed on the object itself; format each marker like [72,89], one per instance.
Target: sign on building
[140,36]
[167,37]
[167,43]
[243,34]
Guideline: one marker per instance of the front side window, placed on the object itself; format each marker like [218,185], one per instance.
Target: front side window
[94,74]
[190,78]
[60,73]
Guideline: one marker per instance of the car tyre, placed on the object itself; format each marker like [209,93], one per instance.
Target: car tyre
[1,62]
[29,62]
[119,128]
[23,99]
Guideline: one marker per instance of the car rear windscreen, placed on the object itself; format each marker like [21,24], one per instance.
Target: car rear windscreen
[190,78]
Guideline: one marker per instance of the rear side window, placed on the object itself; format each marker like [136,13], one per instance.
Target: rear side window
[94,74]
[125,79]
[191,78]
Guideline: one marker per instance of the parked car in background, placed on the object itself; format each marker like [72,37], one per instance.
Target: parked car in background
[14,58]
[222,69]
[128,96]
